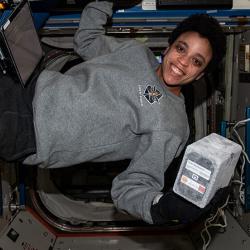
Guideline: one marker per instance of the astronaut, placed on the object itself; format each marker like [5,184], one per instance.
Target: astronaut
[121,103]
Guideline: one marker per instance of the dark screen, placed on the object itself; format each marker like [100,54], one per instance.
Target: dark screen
[23,42]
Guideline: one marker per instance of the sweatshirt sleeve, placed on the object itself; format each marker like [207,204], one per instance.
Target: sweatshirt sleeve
[90,40]
[134,190]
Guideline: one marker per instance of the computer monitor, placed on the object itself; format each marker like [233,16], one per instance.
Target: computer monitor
[20,46]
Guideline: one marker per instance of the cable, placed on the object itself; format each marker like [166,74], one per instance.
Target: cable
[209,222]
[241,182]
[212,221]
[245,158]
[239,138]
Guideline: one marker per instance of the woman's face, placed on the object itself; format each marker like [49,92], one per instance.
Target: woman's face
[185,60]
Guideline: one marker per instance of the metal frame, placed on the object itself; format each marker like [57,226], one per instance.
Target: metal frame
[247,164]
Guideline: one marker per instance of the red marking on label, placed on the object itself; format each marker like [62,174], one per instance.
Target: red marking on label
[202,189]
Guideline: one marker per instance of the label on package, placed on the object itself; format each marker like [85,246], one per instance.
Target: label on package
[193,184]
[198,169]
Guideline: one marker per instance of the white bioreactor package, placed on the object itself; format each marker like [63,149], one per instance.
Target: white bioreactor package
[207,165]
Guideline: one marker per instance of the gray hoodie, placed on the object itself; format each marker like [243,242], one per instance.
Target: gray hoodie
[111,107]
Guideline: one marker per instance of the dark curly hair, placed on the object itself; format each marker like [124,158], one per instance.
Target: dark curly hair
[208,27]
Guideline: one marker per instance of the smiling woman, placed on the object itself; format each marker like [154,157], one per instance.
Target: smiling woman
[194,49]
[207,27]
[185,60]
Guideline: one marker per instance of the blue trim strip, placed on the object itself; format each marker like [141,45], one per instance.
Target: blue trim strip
[223,128]
[21,186]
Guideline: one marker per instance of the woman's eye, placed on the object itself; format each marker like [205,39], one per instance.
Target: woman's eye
[180,48]
[197,62]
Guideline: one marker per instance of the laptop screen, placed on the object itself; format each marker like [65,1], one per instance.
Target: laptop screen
[22,41]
